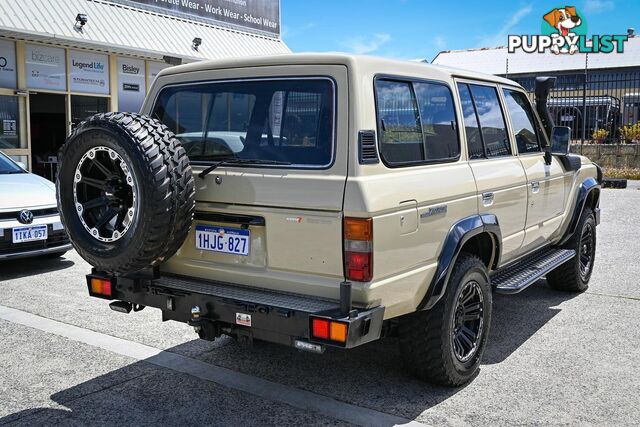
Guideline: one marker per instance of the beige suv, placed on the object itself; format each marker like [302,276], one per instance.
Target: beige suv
[330,200]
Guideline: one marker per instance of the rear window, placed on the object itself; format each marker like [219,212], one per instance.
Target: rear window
[285,121]
[417,122]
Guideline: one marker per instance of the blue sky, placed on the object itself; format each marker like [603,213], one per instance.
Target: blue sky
[412,29]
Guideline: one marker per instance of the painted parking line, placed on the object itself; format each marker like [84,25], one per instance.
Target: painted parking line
[291,396]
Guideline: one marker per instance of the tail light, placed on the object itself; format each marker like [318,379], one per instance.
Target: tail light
[358,249]
[101,287]
[329,330]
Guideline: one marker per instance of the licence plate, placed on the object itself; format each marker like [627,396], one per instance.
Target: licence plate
[29,234]
[223,239]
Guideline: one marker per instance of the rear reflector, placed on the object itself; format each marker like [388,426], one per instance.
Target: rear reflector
[329,330]
[99,286]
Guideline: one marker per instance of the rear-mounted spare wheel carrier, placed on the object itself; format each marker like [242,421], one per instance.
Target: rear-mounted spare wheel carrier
[125,192]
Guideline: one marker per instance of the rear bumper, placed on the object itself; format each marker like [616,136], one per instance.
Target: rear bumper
[247,312]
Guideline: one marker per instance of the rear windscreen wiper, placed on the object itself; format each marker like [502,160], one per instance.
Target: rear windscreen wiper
[224,162]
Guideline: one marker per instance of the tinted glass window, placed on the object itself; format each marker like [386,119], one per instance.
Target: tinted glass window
[438,121]
[472,129]
[523,121]
[417,122]
[400,134]
[280,120]
[494,129]
[9,126]
[7,166]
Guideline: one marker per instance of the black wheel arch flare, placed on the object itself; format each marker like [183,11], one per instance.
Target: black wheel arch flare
[588,196]
[460,233]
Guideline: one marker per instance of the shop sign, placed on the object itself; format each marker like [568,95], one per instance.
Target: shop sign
[262,15]
[131,84]
[8,64]
[46,67]
[89,72]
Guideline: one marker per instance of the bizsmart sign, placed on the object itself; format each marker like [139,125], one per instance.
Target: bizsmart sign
[564,31]
[261,15]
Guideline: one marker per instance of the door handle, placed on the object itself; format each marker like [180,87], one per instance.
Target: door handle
[487,199]
[535,187]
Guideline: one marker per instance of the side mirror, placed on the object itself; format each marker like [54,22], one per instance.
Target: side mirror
[560,140]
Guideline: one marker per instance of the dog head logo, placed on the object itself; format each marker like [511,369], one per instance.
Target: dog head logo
[564,20]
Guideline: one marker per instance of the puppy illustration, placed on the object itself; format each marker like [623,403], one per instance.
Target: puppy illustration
[564,20]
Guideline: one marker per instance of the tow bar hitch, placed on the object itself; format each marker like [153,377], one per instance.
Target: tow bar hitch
[205,328]
[125,307]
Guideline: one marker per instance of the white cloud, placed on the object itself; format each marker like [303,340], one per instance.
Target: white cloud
[499,38]
[287,31]
[597,6]
[362,45]
[439,42]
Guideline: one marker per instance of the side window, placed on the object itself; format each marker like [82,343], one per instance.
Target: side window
[472,128]
[417,122]
[438,121]
[400,136]
[523,122]
[492,124]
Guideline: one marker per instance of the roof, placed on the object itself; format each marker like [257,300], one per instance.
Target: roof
[499,61]
[115,28]
[364,64]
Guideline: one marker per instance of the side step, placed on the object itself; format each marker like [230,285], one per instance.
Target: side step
[514,278]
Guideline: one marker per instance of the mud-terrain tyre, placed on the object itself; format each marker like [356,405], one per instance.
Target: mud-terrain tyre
[434,343]
[574,275]
[125,192]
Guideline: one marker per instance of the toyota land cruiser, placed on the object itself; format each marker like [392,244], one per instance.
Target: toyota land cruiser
[323,200]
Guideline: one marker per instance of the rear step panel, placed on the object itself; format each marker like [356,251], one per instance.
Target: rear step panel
[513,279]
[245,312]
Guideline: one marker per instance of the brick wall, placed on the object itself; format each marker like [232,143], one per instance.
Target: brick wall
[611,155]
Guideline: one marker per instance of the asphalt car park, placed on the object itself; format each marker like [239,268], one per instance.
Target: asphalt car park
[552,357]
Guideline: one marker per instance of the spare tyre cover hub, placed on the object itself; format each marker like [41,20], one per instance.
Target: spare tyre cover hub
[104,194]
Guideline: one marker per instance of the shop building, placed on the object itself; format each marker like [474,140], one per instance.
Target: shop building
[64,60]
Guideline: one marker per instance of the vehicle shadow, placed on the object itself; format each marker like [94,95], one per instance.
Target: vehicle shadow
[369,376]
[24,267]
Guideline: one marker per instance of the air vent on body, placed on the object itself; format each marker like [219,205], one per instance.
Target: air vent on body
[368,153]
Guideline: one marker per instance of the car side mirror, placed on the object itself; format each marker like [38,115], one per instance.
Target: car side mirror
[560,140]
[561,146]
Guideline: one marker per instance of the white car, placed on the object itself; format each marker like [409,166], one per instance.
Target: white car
[29,220]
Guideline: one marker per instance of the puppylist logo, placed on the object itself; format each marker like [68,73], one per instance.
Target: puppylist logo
[564,31]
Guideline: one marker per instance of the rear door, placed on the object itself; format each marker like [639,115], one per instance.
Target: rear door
[269,214]
[545,191]
[500,177]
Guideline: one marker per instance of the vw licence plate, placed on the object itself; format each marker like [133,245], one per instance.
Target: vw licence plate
[29,234]
[223,239]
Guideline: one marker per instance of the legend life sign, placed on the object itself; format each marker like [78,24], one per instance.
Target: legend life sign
[262,15]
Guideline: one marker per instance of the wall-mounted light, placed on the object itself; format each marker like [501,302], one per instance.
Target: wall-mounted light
[22,93]
[81,20]
[196,43]
[172,60]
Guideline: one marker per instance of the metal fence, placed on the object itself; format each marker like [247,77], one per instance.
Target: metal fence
[599,107]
